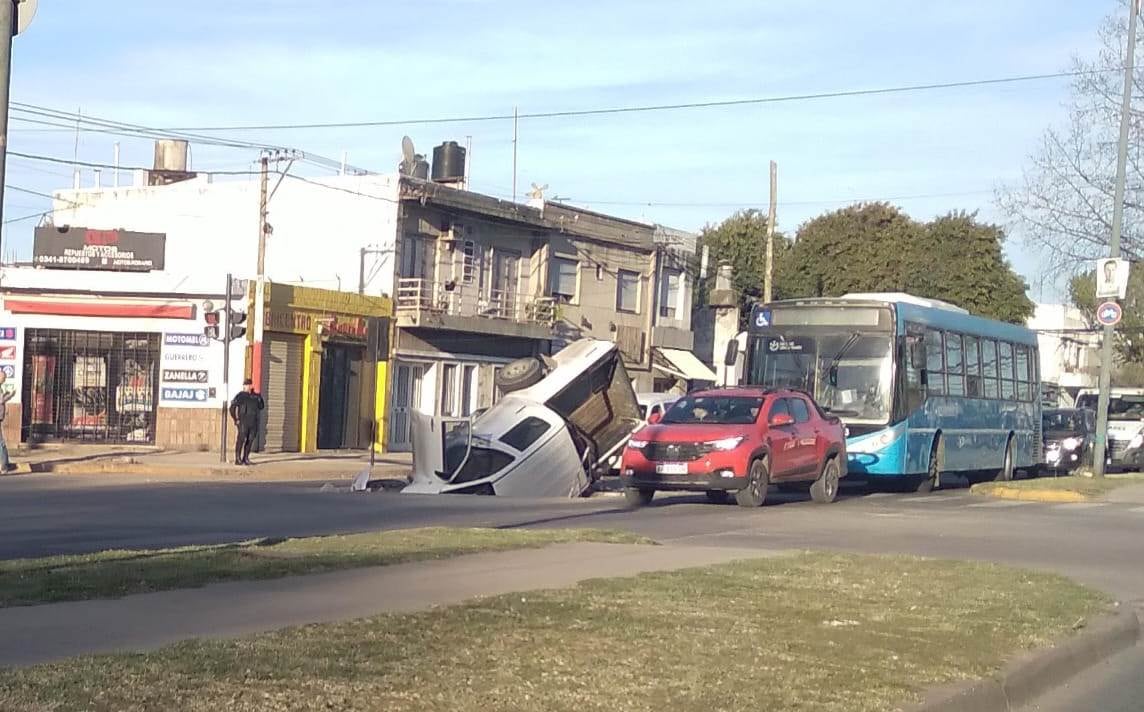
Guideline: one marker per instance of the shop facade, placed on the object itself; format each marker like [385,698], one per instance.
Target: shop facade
[324,387]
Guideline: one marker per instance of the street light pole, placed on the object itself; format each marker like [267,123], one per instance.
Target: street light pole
[1117,224]
[7,29]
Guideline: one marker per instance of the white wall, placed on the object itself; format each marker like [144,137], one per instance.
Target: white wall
[1067,359]
[212,227]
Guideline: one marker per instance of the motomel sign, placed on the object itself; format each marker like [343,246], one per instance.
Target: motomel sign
[66,247]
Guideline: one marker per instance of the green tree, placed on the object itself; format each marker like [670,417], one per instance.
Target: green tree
[876,247]
[969,269]
[741,241]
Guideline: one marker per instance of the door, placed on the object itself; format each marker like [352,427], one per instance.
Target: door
[781,440]
[806,438]
[283,393]
[333,397]
[506,279]
[407,378]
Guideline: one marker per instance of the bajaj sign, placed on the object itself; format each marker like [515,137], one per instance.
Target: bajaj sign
[66,247]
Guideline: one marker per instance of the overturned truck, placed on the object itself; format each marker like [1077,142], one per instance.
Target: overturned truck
[553,433]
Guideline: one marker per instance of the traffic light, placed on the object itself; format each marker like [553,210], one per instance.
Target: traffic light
[212,327]
[234,324]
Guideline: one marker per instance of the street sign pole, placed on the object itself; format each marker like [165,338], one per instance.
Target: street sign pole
[7,29]
[226,373]
[1117,223]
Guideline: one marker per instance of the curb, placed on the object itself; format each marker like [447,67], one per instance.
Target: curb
[1031,495]
[1031,676]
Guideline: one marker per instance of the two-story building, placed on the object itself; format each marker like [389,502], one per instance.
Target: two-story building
[475,281]
[1069,348]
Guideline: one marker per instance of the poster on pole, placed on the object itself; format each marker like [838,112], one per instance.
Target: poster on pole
[1111,278]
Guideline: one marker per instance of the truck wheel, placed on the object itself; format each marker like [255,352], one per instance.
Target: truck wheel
[932,479]
[638,496]
[758,480]
[825,488]
[521,373]
[1005,474]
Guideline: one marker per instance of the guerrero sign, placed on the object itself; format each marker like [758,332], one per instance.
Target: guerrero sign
[115,250]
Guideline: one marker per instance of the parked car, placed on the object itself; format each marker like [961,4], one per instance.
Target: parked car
[560,423]
[1069,435]
[654,405]
[736,441]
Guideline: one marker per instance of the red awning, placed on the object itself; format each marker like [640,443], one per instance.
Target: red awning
[99,307]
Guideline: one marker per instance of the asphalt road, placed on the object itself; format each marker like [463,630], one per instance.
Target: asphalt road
[1098,544]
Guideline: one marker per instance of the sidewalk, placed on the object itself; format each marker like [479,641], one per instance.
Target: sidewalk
[168,464]
[144,622]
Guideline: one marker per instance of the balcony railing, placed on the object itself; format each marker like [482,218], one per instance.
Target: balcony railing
[422,295]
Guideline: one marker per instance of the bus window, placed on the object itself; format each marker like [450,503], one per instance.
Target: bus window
[1005,358]
[1022,361]
[935,366]
[989,368]
[972,367]
[955,375]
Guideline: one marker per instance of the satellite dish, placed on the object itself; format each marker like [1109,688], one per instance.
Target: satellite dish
[407,151]
[25,11]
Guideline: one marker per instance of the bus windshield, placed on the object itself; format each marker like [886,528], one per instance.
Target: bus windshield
[848,372]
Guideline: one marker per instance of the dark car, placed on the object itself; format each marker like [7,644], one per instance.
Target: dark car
[1069,435]
[737,441]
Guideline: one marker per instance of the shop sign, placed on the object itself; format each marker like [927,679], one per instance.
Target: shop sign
[180,356]
[193,395]
[7,353]
[61,247]
[7,333]
[299,322]
[182,375]
[8,370]
[186,340]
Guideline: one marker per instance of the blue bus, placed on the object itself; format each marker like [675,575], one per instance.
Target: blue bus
[923,386]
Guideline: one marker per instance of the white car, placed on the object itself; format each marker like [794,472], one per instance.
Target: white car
[654,405]
[553,434]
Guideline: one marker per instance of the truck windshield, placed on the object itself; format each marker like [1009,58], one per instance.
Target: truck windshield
[714,410]
[1119,407]
[848,372]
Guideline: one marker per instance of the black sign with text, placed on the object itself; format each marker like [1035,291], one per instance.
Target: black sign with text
[62,247]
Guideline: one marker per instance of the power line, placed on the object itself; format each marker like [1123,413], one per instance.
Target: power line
[653,107]
[788,203]
[89,164]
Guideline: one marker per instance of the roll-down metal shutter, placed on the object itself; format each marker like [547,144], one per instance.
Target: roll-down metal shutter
[285,358]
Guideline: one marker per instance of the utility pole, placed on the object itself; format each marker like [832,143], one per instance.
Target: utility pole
[514,137]
[226,371]
[260,286]
[768,279]
[1117,224]
[15,16]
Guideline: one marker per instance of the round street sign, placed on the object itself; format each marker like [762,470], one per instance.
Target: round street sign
[1109,313]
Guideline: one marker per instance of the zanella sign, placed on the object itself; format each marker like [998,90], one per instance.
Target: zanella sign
[66,247]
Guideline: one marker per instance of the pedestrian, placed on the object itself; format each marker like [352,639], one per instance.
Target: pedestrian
[5,396]
[245,410]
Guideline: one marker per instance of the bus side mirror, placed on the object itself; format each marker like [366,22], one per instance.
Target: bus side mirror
[924,378]
[732,353]
[833,376]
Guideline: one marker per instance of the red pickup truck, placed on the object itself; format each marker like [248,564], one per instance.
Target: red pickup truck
[737,441]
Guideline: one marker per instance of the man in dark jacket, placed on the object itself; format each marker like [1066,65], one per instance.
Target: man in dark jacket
[245,410]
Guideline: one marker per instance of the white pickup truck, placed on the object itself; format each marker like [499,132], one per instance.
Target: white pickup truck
[552,434]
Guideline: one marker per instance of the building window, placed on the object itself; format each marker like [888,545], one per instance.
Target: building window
[449,390]
[414,258]
[469,262]
[628,291]
[669,287]
[565,273]
[599,272]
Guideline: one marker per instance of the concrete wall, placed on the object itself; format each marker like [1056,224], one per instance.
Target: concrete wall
[212,227]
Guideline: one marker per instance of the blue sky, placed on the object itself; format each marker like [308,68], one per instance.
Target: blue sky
[297,61]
